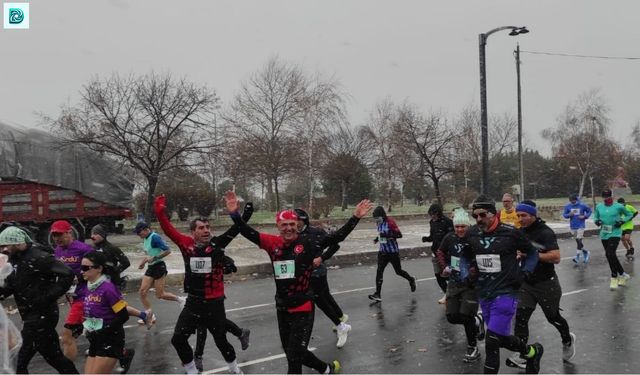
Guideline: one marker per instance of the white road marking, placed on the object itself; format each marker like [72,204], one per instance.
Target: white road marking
[249,363]
[574,292]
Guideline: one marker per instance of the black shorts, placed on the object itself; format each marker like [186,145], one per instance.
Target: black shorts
[627,231]
[461,299]
[544,293]
[106,344]
[157,271]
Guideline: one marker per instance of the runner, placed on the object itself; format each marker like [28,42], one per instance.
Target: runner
[507,214]
[462,297]
[543,287]
[156,272]
[203,258]
[292,257]
[105,313]
[610,216]
[577,213]
[36,283]
[70,252]
[389,252]
[439,226]
[495,248]
[319,283]
[627,228]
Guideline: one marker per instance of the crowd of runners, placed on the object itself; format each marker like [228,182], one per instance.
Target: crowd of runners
[494,270]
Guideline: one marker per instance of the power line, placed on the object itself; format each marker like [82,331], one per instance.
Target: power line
[580,56]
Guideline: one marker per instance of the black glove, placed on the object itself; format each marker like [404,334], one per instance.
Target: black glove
[375,240]
[598,222]
[229,265]
[426,239]
[248,211]
[618,223]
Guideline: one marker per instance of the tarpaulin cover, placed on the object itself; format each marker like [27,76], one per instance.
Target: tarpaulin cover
[35,155]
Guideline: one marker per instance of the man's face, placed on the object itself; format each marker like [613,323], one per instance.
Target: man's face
[483,218]
[573,201]
[62,238]
[526,219]
[300,226]
[460,230]
[11,249]
[96,238]
[288,229]
[507,203]
[202,233]
[434,216]
[144,233]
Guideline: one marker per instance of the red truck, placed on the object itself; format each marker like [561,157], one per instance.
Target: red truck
[43,180]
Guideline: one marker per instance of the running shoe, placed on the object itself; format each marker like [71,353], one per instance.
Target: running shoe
[125,360]
[576,259]
[516,360]
[334,367]
[472,354]
[614,283]
[244,338]
[343,333]
[569,349]
[182,300]
[481,329]
[412,284]
[586,254]
[344,318]
[198,362]
[375,297]
[622,279]
[533,363]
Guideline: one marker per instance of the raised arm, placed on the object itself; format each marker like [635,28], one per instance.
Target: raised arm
[159,207]
[225,238]
[232,206]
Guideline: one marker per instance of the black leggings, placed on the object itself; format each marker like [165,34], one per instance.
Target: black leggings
[383,260]
[324,300]
[43,339]
[295,332]
[493,344]
[201,336]
[610,247]
[210,314]
[522,323]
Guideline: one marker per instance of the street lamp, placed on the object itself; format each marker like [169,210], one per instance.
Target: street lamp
[482,42]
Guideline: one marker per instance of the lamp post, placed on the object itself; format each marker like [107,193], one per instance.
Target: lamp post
[520,158]
[482,42]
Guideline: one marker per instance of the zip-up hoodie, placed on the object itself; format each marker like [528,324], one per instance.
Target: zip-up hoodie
[577,209]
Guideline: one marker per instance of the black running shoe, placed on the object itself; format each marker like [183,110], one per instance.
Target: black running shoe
[126,359]
[533,364]
[412,284]
[375,297]
[244,338]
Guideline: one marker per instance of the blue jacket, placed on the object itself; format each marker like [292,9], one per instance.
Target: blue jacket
[572,211]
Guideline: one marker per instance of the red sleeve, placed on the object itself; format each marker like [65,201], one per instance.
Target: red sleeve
[178,238]
[393,227]
[270,242]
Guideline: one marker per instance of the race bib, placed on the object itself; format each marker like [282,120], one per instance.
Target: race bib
[92,324]
[383,240]
[455,263]
[607,228]
[575,211]
[200,265]
[489,263]
[284,269]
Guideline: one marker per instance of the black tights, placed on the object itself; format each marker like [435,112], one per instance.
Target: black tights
[493,344]
[442,282]
[522,323]
[579,243]
[43,339]
[610,247]
[383,260]
[469,323]
[295,333]
[201,336]
[324,300]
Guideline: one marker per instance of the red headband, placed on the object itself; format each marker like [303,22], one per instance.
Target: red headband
[286,215]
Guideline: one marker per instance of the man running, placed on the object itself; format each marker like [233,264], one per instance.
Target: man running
[319,284]
[495,247]
[292,257]
[37,281]
[70,252]
[627,228]
[462,297]
[507,214]
[610,216]
[543,287]
[577,213]
[156,273]
[203,258]
[439,226]
[389,252]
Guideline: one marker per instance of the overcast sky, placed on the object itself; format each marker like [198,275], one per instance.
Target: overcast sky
[423,51]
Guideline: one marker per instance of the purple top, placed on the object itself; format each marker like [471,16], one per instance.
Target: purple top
[101,302]
[72,256]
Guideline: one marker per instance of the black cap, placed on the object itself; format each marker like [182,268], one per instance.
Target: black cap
[302,215]
[573,197]
[435,209]
[621,200]
[140,227]
[606,193]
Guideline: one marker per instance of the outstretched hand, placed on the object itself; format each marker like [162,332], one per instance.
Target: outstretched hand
[363,208]
[231,200]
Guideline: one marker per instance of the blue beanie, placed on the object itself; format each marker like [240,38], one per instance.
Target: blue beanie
[530,209]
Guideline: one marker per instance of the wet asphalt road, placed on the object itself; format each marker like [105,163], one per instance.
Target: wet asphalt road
[407,332]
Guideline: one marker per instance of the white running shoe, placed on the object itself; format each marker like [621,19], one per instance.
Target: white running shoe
[343,333]
[182,301]
[622,279]
[516,361]
[569,349]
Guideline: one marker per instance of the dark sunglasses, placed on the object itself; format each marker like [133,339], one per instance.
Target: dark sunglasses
[481,214]
[84,268]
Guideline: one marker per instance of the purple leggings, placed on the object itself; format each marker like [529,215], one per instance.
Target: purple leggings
[498,313]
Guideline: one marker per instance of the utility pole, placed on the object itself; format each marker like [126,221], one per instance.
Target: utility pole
[520,156]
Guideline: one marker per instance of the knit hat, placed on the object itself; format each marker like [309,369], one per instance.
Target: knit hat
[99,230]
[484,202]
[435,209]
[14,236]
[606,193]
[140,227]
[379,212]
[460,217]
[528,207]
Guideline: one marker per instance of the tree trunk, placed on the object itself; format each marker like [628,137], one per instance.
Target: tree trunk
[311,184]
[270,194]
[275,185]
[343,193]
[152,182]
[583,179]
[436,189]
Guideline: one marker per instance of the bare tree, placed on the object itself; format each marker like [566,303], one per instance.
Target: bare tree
[153,122]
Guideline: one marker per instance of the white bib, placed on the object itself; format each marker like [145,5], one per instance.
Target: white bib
[575,211]
[200,264]
[284,269]
[607,228]
[455,263]
[489,263]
